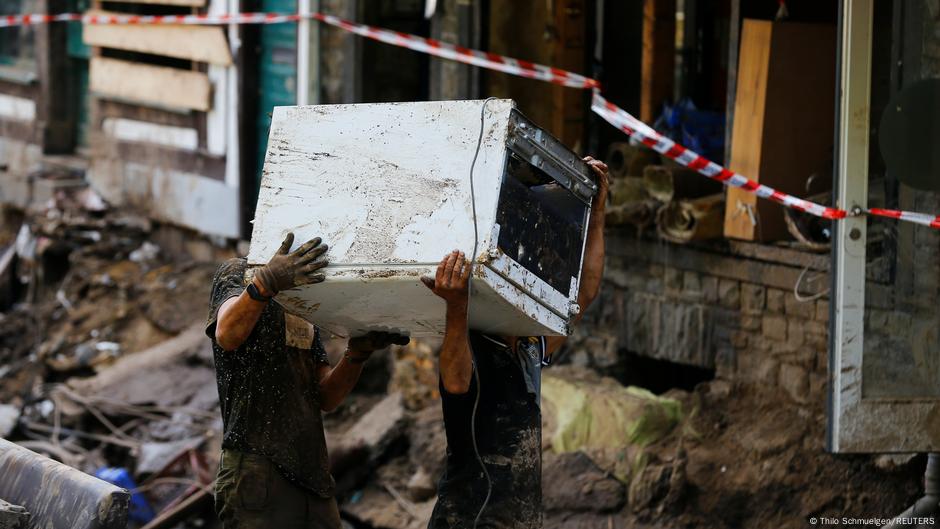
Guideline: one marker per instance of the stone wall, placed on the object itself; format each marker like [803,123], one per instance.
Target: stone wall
[727,306]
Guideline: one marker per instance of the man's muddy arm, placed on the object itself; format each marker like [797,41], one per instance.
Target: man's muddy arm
[237,318]
[456,363]
[451,283]
[337,382]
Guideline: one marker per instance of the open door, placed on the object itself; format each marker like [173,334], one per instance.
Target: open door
[885,324]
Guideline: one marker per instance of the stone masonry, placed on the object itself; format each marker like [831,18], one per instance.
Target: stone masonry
[727,306]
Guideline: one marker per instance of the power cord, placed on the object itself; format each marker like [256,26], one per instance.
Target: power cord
[476,372]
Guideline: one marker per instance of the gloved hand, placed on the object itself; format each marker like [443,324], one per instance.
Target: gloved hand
[373,341]
[290,270]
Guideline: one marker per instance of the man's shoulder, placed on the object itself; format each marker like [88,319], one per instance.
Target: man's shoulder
[234,267]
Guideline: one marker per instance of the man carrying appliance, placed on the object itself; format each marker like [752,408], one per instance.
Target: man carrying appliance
[507,425]
[274,380]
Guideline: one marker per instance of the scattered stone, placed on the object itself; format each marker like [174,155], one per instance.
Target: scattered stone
[891,462]
[421,486]
[9,415]
[427,442]
[649,486]
[677,482]
[718,389]
[13,516]
[375,436]
[572,482]
[380,426]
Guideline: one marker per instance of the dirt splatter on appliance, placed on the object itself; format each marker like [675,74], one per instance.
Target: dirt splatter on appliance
[387,186]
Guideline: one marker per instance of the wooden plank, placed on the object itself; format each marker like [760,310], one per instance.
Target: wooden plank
[659,56]
[746,138]
[17,108]
[568,53]
[153,85]
[179,512]
[195,43]
[734,39]
[783,125]
[120,109]
[122,129]
[190,3]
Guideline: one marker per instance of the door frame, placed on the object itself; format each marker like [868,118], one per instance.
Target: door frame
[857,424]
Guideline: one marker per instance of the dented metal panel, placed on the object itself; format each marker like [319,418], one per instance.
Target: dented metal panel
[58,496]
[387,186]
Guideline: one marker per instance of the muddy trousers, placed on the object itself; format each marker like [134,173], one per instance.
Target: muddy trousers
[251,494]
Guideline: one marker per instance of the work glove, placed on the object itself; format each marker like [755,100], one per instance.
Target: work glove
[363,346]
[291,270]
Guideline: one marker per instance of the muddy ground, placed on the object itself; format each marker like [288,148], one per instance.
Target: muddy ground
[742,456]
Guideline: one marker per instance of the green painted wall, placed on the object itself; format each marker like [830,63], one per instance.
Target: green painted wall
[277,71]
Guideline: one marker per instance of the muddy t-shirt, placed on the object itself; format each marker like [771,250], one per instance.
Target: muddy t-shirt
[509,438]
[269,390]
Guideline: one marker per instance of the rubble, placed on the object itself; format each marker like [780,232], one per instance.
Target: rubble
[13,516]
[574,483]
[105,365]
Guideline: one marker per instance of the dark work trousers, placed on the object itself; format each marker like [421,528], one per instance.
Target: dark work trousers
[250,493]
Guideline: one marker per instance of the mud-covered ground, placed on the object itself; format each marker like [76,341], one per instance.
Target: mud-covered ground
[740,457]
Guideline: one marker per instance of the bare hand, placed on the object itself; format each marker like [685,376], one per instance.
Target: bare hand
[452,279]
[603,183]
[375,340]
[290,270]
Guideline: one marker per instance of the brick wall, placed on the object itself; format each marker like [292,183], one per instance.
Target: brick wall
[727,306]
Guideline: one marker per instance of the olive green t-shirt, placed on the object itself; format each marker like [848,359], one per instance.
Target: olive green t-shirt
[269,389]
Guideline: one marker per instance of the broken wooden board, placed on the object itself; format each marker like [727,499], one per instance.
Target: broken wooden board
[174,515]
[150,85]
[162,354]
[195,43]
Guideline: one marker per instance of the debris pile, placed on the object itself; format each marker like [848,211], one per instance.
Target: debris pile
[104,363]
[105,367]
[647,190]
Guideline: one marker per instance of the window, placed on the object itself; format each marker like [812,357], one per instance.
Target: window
[17,48]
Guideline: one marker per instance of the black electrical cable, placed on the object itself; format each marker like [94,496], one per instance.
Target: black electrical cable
[476,372]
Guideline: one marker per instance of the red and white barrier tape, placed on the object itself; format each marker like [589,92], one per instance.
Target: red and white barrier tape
[613,114]
[188,20]
[917,218]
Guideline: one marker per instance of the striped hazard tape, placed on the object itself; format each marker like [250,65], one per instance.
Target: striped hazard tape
[613,114]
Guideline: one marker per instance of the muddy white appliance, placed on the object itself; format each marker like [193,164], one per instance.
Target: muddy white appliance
[387,186]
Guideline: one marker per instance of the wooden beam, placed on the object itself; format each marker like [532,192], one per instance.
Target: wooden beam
[568,53]
[195,43]
[659,56]
[182,510]
[151,85]
[54,113]
[748,128]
